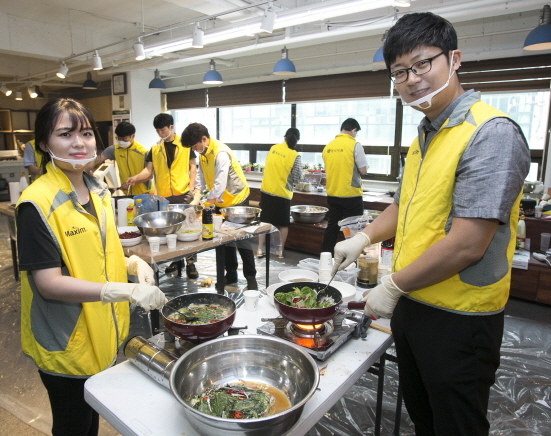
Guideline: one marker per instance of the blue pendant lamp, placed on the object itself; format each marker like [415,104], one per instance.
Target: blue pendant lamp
[157,83]
[378,58]
[89,83]
[540,37]
[284,67]
[212,77]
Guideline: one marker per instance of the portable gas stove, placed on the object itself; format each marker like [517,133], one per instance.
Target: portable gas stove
[320,340]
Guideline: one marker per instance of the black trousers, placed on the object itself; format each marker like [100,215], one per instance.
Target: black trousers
[339,209]
[72,416]
[447,364]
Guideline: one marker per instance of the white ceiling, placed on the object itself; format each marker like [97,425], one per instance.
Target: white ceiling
[35,35]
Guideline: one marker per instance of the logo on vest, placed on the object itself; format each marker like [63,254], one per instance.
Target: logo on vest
[415,152]
[75,231]
[335,150]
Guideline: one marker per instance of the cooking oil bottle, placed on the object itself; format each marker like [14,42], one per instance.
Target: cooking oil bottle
[368,263]
[208,224]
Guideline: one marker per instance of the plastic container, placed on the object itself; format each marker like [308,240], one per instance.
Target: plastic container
[208,224]
[352,225]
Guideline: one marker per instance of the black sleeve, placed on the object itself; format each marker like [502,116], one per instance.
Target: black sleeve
[35,246]
[192,154]
[148,157]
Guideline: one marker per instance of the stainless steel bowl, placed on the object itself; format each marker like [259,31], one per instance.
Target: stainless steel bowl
[183,207]
[252,358]
[160,223]
[308,214]
[240,214]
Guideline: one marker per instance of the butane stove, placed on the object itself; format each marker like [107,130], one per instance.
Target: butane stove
[320,340]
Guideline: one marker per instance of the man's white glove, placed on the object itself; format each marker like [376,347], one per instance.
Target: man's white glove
[148,297]
[382,299]
[138,267]
[196,198]
[349,250]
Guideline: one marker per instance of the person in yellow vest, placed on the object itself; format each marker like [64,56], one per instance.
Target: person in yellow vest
[220,172]
[75,294]
[32,160]
[129,155]
[283,168]
[345,163]
[175,169]
[454,218]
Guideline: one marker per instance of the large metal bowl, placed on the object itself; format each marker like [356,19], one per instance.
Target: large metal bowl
[308,214]
[182,207]
[251,358]
[160,223]
[240,214]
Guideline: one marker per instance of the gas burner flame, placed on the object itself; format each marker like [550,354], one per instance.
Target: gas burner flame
[309,327]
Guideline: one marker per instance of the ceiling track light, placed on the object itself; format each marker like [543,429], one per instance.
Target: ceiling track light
[32,92]
[89,83]
[198,37]
[63,70]
[212,77]
[7,92]
[157,82]
[540,37]
[18,95]
[284,67]
[268,20]
[139,50]
[96,61]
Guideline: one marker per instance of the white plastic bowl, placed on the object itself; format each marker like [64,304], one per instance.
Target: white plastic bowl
[188,236]
[270,291]
[347,290]
[129,242]
[298,275]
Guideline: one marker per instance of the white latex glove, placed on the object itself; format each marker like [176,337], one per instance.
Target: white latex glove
[146,296]
[138,267]
[382,299]
[196,198]
[349,250]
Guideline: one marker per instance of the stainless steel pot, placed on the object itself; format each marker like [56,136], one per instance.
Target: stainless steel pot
[253,358]
[308,214]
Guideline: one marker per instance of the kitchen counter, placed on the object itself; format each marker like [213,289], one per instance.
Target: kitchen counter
[136,405]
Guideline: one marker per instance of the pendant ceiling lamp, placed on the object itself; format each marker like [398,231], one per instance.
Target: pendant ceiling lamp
[378,58]
[62,71]
[18,95]
[212,77]
[157,82]
[198,36]
[139,50]
[7,92]
[284,67]
[540,37]
[89,83]
[96,61]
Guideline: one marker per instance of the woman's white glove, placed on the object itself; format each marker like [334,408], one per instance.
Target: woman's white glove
[196,198]
[382,299]
[349,250]
[148,297]
[138,267]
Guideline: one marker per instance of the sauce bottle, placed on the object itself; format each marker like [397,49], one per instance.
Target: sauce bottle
[368,263]
[387,250]
[521,233]
[208,224]
[130,214]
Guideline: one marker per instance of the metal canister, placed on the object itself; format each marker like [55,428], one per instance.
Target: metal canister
[154,361]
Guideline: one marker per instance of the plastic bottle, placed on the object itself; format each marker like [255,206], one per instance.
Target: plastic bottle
[387,250]
[521,233]
[137,207]
[208,225]
[23,182]
[130,214]
[368,263]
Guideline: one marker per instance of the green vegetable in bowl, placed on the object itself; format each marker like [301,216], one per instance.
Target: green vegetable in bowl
[304,298]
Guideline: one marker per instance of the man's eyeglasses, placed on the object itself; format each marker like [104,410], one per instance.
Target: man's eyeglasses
[418,68]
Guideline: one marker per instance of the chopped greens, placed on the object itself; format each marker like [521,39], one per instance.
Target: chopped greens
[199,314]
[233,401]
[304,298]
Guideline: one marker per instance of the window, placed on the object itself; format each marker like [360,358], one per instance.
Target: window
[184,117]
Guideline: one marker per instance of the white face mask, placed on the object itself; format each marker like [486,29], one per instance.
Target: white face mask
[428,98]
[76,163]
[124,144]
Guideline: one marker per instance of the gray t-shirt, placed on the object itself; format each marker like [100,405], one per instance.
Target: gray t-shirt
[492,169]
[109,153]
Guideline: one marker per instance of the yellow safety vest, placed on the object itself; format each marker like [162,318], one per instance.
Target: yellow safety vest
[76,339]
[278,179]
[173,180]
[130,161]
[237,189]
[426,200]
[343,178]
[37,159]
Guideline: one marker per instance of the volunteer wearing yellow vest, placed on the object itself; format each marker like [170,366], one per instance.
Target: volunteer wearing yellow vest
[283,168]
[74,289]
[32,160]
[345,163]
[454,218]
[175,170]
[129,156]
[220,172]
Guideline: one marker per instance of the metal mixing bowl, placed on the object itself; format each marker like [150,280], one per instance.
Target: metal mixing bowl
[261,359]
[182,207]
[240,214]
[160,223]
[308,214]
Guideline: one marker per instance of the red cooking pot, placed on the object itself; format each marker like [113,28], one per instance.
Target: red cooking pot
[200,332]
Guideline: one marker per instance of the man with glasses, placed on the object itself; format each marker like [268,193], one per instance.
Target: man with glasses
[454,218]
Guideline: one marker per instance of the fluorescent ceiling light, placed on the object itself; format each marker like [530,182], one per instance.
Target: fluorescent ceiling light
[96,61]
[198,36]
[139,51]
[63,70]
